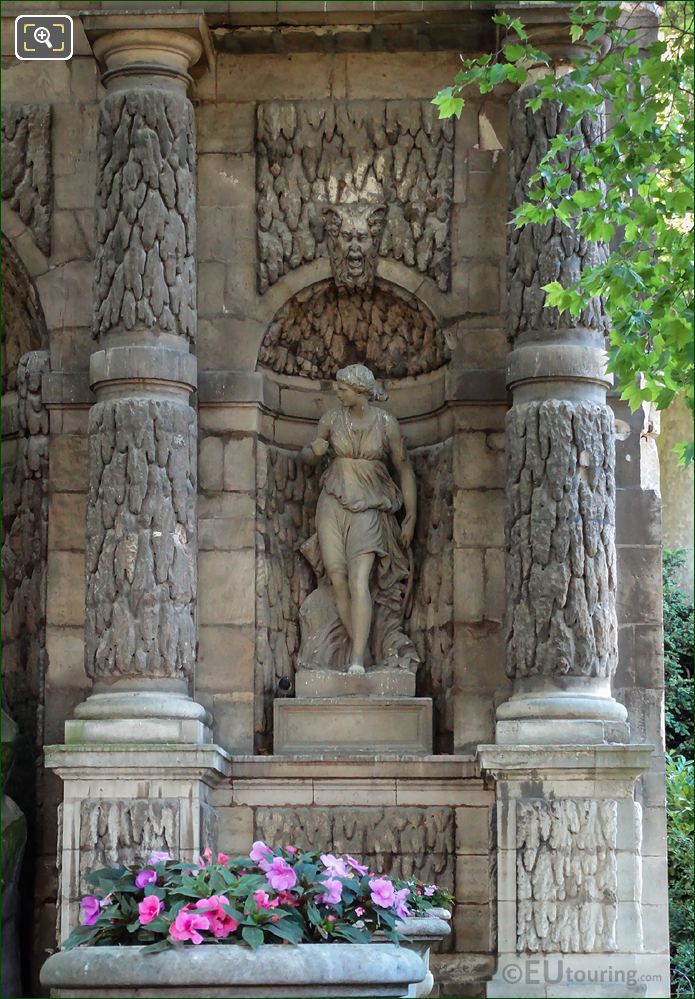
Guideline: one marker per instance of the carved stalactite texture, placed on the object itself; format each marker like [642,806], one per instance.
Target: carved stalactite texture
[24,326]
[27,172]
[24,550]
[402,841]
[146,238]
[314,153]
[538,254]
[287,492]
[431,620]
[561,572]
[126,832]
[321,330]
[566,876]
[141,539]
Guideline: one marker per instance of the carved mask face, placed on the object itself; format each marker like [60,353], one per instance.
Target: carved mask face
[353,235]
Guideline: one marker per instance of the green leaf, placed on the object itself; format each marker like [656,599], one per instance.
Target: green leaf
[514,52]
[253,936]
[156,948]
[286,930]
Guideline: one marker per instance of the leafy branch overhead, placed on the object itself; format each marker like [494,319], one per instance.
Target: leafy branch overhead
[636,192]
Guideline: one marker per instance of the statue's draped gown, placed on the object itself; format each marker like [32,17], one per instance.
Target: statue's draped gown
[355,515]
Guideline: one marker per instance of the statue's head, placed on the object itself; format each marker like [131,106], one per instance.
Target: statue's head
[359,378]
[353,235]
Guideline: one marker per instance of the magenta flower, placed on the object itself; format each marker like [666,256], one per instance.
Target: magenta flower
[159,857]
[264,901]
[291,849]
[149,909]
[333,893]
[187,924]
[222,858]
[260,851]
[91,906]
[335,865]
[402,910]
[359,911]
[145,878]
[361,869]
[221,923]
[430,890]
[280,875]
[383,894]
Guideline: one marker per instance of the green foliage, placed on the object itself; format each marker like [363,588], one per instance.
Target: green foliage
[636,183]
[679,644]
[679,806]
[678,663]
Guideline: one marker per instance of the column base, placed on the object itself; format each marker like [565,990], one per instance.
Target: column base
[139,717]
[561,710]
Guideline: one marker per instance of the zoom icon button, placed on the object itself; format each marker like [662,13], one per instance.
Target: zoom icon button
[43,36]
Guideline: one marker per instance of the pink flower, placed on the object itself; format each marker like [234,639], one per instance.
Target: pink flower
[158,857]
[149,909]
[359,911]
[383,894]
[260,851]
[264,901]
[221,923]
[402,910]
[430,890]
[356,866]
[222,858]
[331,919]
[291,849]
[335,865]
[187,924]
[333,893]
[145,878]
[280,875]
[91,906]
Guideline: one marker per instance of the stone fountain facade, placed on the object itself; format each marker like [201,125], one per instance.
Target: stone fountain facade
[178,310]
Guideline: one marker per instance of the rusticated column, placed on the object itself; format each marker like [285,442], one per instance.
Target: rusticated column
[141,511]
[560,522]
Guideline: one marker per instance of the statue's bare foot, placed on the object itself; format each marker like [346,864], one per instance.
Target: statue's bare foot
[356,668]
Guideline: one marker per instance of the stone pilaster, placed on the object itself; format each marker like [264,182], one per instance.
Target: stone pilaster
[141,511]
[560,440]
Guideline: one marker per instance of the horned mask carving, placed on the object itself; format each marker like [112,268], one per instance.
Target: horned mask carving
[353,235]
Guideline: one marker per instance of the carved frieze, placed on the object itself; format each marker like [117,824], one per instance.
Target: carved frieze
[312,154]
[405,842]
[319,330]
[146,236]
[141,539]
[561,540]
[566,882]
[27,172]
[126,831]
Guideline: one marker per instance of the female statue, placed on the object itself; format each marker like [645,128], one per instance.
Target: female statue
[359,545]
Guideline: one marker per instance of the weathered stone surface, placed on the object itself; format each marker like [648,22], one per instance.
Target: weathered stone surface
[321,330]
[24,326]
[141,539]
[567,879]
[430,624]
[311,154]
[146,236]
[405,842]
[126,831]
[540,253]
[560,529]
[27,174]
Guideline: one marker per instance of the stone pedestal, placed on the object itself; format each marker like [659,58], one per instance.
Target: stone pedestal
[569,872]
[373,683]
[121,803]
[350,725]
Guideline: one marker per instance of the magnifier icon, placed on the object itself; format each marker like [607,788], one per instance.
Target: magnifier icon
[43,36]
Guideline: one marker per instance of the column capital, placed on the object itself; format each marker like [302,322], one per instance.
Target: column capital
[127,45]
[548,28]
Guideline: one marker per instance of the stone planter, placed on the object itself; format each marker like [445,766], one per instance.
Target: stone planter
[212,970]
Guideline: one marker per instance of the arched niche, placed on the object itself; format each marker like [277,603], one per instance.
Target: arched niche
[312,334]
